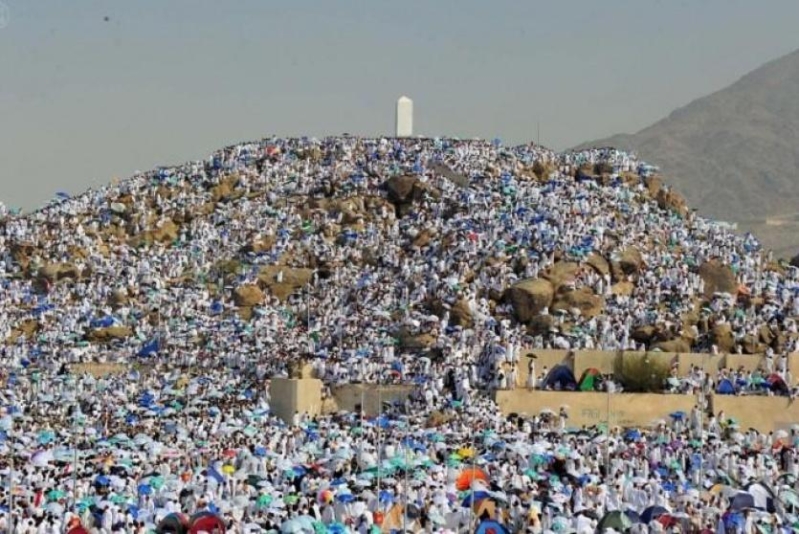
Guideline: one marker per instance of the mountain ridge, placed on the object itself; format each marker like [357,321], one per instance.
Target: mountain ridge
[734,153]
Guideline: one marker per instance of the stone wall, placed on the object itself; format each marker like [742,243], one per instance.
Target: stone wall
[765,414]
[290,395]
[588,409]
[349,396]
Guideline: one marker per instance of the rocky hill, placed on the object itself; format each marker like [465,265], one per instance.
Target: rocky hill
[734,154]
[290,248]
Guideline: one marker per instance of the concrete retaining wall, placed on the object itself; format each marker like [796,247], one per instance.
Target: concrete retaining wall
[765,414]
[349,396]
[291,395]
[587,409]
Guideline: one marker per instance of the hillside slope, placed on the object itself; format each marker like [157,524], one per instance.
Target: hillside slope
[734,154]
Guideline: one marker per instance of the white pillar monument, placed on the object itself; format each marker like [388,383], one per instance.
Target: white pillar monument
[404,119]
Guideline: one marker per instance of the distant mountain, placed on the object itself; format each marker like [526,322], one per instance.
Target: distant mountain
[734,154]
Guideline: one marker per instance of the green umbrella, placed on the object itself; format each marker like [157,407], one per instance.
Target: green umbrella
[616,520]
[264,501]
[56,494]
[291,499]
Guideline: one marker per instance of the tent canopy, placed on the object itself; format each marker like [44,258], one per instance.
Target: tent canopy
[560,377]
[725,387]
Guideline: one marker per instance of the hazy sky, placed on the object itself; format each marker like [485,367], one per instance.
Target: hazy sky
[83,100]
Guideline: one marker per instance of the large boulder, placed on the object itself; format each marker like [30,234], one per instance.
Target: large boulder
[402,191]
[623,289]
[752,345]
[542,170]
[767,335]
[529,297]
[27,328]
[672,201]
[282,280]
[21,252]
[583,299]
[653,185]
[598,263]
[257,245]
[53,273]
[461,314]
[722,336]
[111,333]
[631,261]
[560,273]
[678,345]
[118,298]
[424,237]
[643,334]
[718,278]
[225,190]
[410,341]
[438,418]
[166,231]
[247,296]
[540,325]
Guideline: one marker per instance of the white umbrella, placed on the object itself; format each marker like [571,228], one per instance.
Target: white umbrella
[42,458]
[54,508]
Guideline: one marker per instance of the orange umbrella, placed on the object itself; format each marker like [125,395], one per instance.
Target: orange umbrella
[467,476]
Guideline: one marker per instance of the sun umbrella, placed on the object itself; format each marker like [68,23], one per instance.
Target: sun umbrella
[467,476]
[42,458]
[742,500]
[789,497]
[616,520]
[292,526]
[653,512]
[473,498]
[56,494]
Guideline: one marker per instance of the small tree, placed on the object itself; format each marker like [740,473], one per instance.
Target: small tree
[639,373]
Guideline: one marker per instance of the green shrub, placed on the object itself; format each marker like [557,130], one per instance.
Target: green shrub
[639,373]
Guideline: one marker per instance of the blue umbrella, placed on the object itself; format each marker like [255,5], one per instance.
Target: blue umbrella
[633,515]
[742,500]
[145,489]
[677,416]
[473,498]
[652,513]
[299,470]
[102,480]
[632,435]
[345,498]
